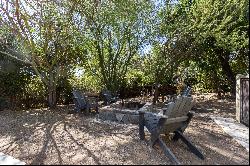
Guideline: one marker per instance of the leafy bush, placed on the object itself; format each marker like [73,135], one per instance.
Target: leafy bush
[34,94]
[12,86]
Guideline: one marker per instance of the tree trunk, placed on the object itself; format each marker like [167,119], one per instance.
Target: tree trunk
[156,87]
[52,91]
[216,84]
[224,60]
[52,97]
[156,93]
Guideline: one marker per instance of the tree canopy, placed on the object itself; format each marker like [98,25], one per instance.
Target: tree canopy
[96,44]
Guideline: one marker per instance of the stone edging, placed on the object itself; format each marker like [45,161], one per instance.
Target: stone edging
[122,115]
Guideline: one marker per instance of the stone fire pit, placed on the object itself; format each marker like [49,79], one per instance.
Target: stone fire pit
[123,113]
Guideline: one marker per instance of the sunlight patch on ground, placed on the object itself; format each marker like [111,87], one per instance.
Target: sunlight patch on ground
[8,160]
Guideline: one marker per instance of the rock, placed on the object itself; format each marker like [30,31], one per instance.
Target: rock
[107,116]
[125,116]
[125,119]
[134,119]
[119,116]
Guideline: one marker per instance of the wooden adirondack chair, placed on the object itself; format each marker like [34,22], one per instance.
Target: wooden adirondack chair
[107,97]
[174,119]
[82,103]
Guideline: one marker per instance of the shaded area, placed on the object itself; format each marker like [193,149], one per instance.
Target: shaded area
[209,104]
[55,137]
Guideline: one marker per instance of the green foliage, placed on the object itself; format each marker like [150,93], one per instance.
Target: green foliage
[135,78]
[34,94]
[13,86]
[64,91]
[86,81]
[114,34]
[213,34]
[49,43]
[204,42]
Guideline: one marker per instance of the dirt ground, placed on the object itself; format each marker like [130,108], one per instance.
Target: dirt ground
[42,136]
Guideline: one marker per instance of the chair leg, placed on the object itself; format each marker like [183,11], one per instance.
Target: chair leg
[153,139]
[191,146]
[184,126]
[87,109]
[168,152]
[96,110]
[176,137]
[77,109]
[141,126]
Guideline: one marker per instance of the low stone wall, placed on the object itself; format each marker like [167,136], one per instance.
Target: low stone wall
[125,116]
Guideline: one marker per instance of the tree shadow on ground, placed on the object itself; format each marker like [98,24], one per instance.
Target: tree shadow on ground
[56,137]
[35,136]
[32,126]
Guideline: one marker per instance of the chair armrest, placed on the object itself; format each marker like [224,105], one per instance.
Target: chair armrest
[156,121]
[142,111]
[75,97]
[153,114]
[166,106]
[78,97]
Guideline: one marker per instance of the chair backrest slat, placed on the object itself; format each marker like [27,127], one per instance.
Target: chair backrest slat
[179,111]
[177,104]
[190,105]
[185,107]
[186,91]
[170,108]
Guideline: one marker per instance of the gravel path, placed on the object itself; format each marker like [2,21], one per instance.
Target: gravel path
[46,137]
[235,129]
[41,136]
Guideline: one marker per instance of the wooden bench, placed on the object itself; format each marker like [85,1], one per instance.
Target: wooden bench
[174,119]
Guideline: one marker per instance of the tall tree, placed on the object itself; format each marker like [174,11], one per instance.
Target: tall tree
[224,26]
[218,28]
[115,32]
[46,38]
